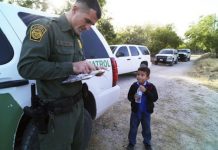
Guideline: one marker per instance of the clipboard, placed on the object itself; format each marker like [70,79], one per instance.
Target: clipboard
[80,77]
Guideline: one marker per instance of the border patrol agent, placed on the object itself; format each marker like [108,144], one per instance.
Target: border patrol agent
[51,51]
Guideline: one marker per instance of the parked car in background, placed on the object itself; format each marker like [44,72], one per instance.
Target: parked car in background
[130,57]
[167,56]
[184,54]
[16,128]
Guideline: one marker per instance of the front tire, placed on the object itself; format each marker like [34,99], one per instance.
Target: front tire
[30,139]
[171,63]
[144,64]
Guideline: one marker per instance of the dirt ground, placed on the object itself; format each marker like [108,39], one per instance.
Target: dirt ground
[185,116]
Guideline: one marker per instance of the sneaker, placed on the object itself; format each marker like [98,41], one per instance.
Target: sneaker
[148,147]
[130,147]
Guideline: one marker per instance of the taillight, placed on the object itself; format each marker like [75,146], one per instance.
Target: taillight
[114,71]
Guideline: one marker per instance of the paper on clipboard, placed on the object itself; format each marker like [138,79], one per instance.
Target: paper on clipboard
[79,77]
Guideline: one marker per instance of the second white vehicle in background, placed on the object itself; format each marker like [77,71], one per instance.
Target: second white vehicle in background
[167,56]
[130,57]
[184,54]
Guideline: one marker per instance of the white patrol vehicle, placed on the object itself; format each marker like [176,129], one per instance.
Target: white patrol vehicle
[15,92]
[184,54]
[167,56]
[130,57]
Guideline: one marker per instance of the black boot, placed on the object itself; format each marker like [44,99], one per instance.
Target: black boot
[148,147]
[130,147]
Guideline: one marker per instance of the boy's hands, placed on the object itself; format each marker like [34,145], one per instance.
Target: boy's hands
[142,88]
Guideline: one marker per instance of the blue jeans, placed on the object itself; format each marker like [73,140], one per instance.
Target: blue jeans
[145,120]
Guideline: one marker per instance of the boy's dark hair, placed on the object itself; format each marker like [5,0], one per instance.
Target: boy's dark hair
[145,69]
[93,4]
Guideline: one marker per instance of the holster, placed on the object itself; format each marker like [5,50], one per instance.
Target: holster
[41,110]
[40,117]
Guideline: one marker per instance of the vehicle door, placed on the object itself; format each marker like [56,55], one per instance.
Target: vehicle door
[123,60]
[95,51]
[11,97]
[145,54]
[136,59]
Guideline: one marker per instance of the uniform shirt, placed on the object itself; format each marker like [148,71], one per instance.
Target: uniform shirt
[48,51]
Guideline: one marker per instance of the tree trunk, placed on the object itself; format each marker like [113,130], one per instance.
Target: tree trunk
[216,51]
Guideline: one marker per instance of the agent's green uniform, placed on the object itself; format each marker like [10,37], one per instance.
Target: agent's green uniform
[48,51]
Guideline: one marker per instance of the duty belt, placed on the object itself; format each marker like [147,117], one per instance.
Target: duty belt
[41,110]
[63,105]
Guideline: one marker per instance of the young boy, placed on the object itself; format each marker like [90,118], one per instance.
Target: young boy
[142,95]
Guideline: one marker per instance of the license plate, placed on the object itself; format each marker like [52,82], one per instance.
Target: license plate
[161,59]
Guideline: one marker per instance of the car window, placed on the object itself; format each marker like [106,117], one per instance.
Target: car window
[183,50]
[113,48]
[134,51]
[122,52]
[27,18]
[92,45]
[166,52]
[6,50]
[144,50]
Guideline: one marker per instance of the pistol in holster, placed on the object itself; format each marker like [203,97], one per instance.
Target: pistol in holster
[38,112]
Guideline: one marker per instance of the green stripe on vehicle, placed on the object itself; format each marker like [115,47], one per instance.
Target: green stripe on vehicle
[10,113]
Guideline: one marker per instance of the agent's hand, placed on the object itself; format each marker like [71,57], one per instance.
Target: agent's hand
[142,88]
[83,67]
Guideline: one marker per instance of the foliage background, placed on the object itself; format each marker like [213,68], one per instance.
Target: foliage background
[200,37]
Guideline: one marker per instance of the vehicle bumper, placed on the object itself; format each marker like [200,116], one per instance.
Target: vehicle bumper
[163,61]
[182,57]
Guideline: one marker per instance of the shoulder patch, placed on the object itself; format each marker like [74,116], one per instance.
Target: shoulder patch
[36,32]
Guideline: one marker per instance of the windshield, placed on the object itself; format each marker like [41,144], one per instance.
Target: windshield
[183,50]
[166,51]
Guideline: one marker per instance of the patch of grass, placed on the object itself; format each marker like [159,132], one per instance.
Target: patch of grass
[205,70]
[200,110]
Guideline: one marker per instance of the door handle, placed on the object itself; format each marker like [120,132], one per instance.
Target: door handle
[139,58]
[13,83]
[128,59]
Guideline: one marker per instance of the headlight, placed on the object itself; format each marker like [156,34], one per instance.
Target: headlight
[169,58]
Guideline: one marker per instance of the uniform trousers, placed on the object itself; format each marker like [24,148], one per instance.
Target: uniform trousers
[65,130]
